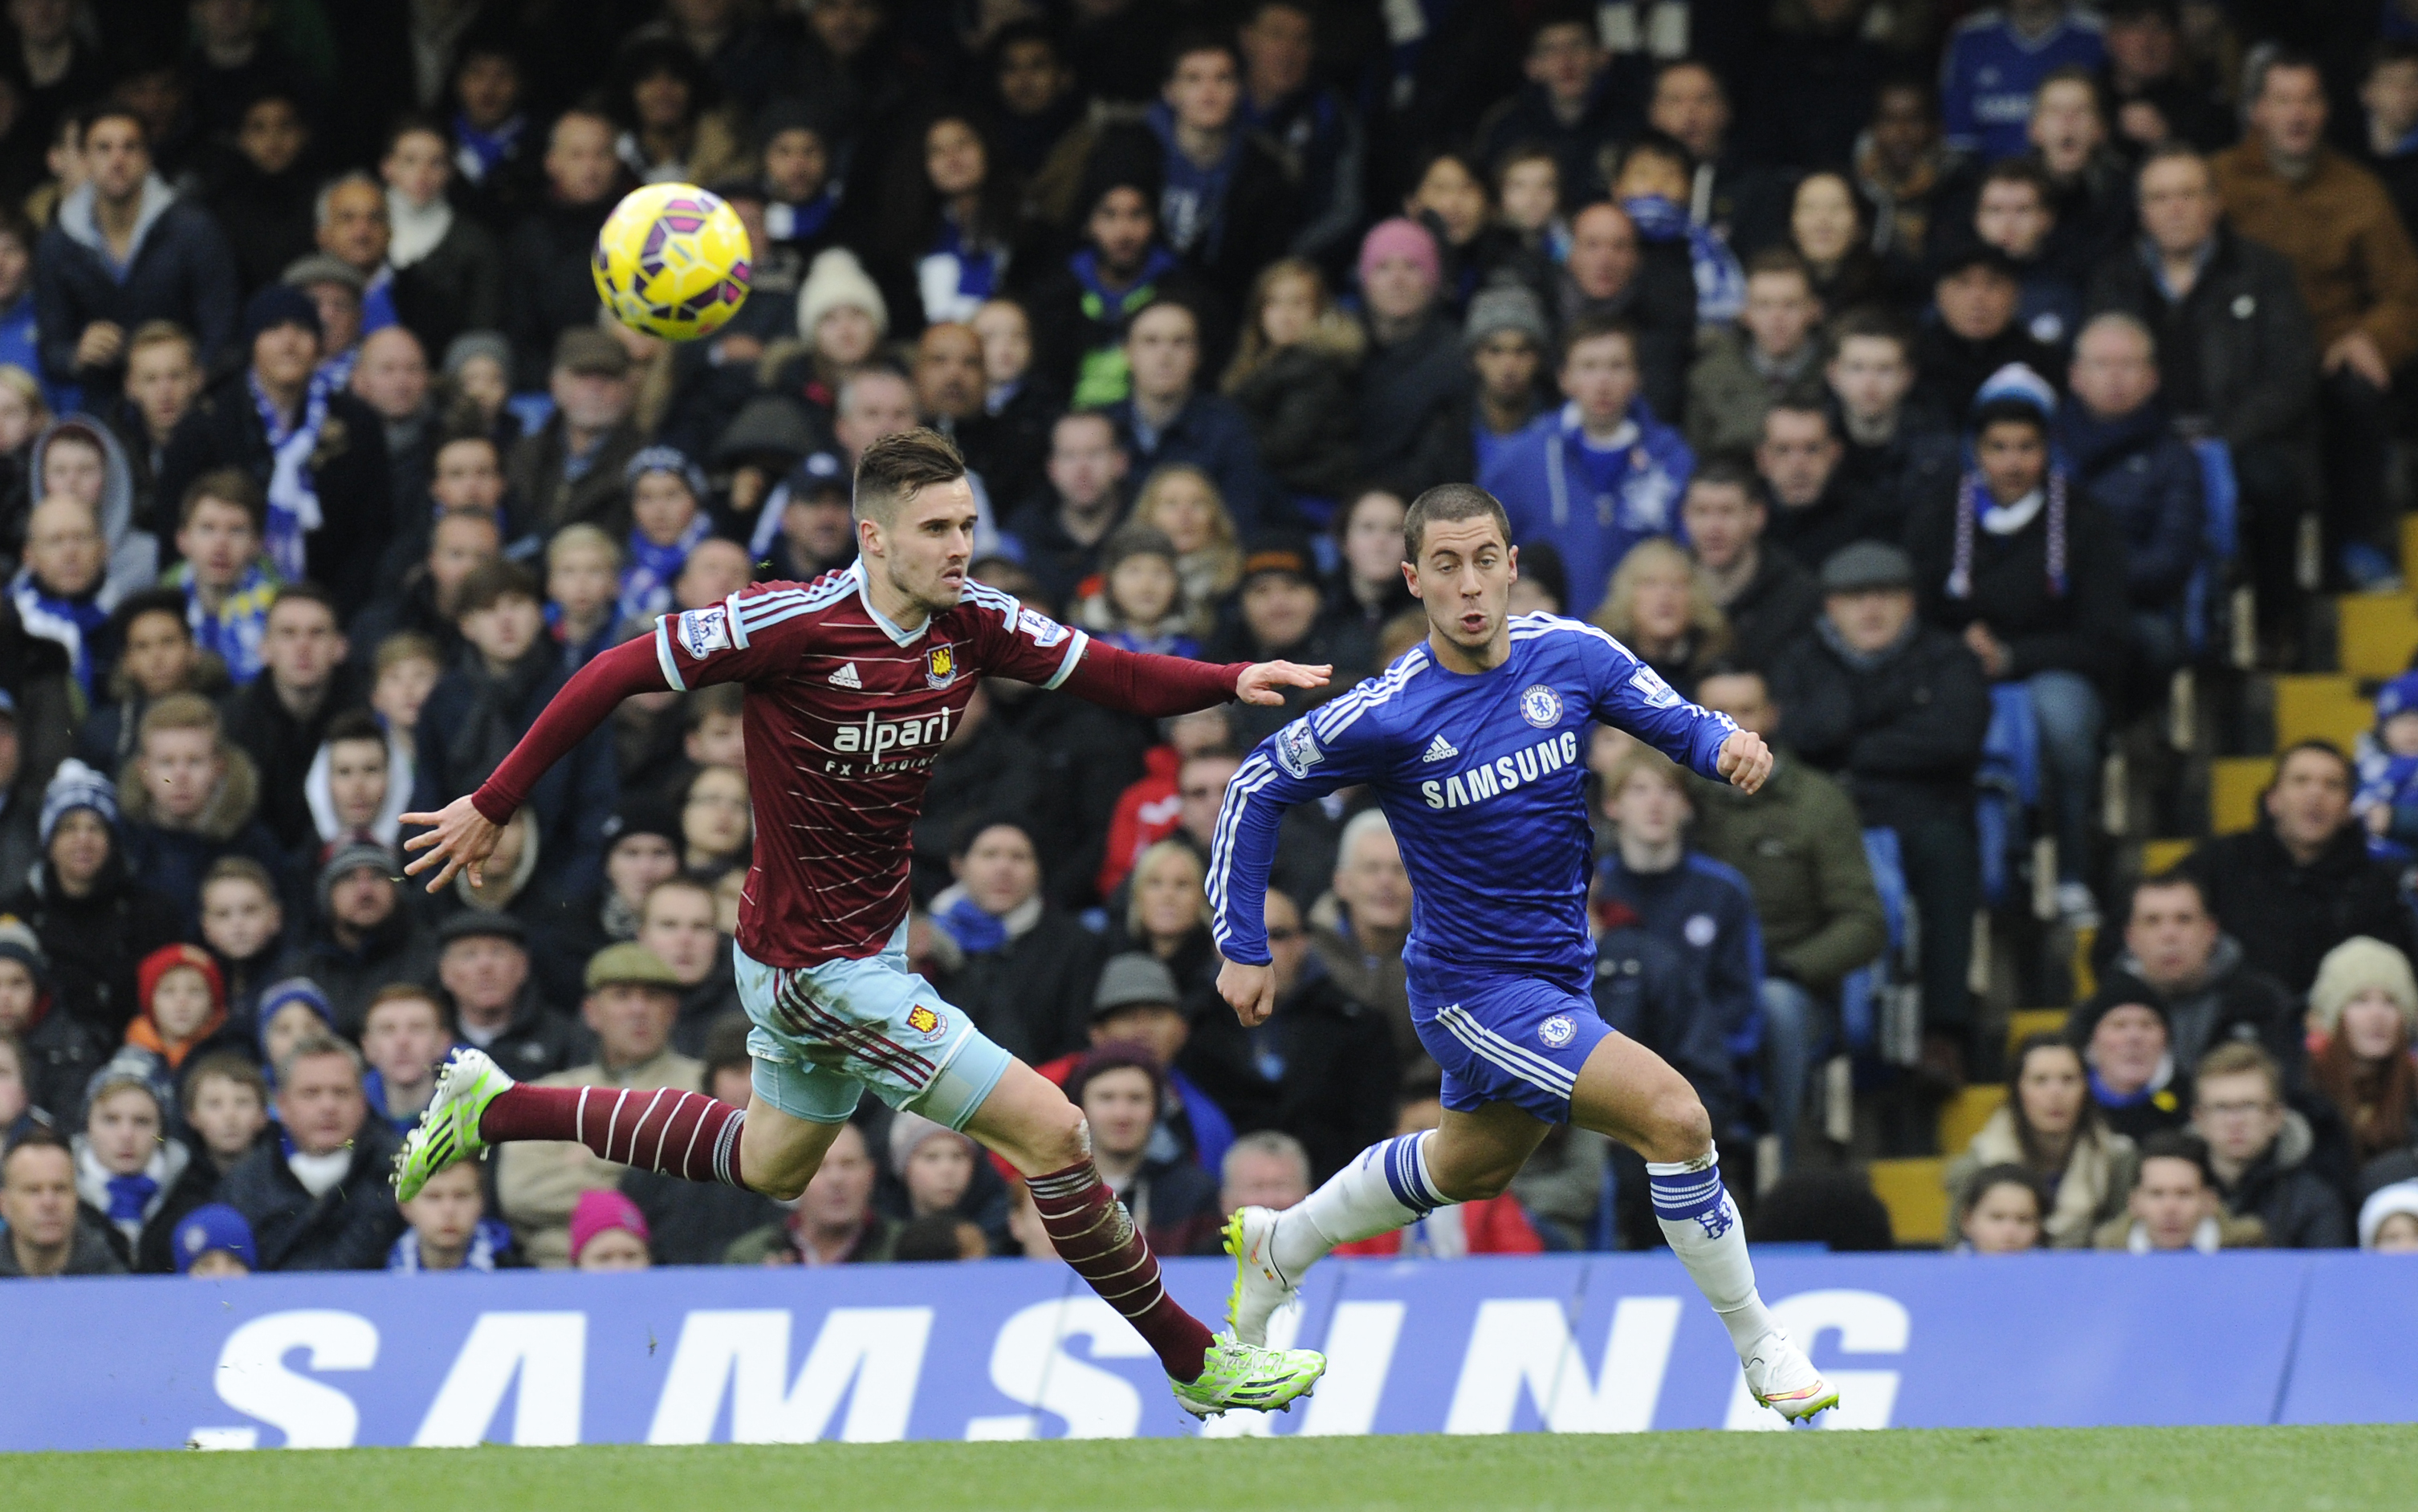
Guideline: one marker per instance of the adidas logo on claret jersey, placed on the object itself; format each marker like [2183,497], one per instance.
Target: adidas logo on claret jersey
[845,676]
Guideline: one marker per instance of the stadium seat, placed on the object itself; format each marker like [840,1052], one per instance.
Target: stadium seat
[2320,706]
[1859,991]
[1962,1116]
[1914,1192]
[2204,595]
[2234,786]
[2026,1022]
[2163,855]
[2376,633]
[2010,787]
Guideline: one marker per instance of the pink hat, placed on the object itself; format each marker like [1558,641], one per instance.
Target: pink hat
[596,1212]
[1401,237]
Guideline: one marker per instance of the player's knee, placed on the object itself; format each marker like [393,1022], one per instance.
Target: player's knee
[1678,1127]
[780,1187]
[1476,1183]
[1063,1140]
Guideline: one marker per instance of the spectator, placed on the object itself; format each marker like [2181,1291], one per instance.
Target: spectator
[1974,334]
[1151,809]
[1140,605]
[55,1053]
[1182,502]
[632,1001]
[184,1011]
[2388,96]
[450,1228]
[2013,212]
[1774,353]
[2236,356]
[422,603]
[667,517]
[215,1243]
[2212,995]
[1022,965]
[359,783]
[1765,599]
[1606,443]
[2388,1220]
[1897,711]
[1660,608]
[1225,205]
[390,376]
[157,656]
[1278,613]
[1647,988]
[1415,380]
[290,1012]
[226,1104]
[2032,579]
[1171,1198]
[479,709]
[315,451]
[1007,438]
[1082,312]
[1997,58]
[641,850]
[1826,230]
[678,920]
[1365,590]
[366,936]
[94,921]
[573,468]
[227,582]
[1266,1168]
[2128,463]
[2002,1211]
[2126,1037]
[242,924]
[1652,186]
[2175,1206]
[2284,187]
[949,218]
[2090,189]
[1167,420]
[449,272]
[935,1170]
[59,595]
[1322,1067]
[261,194]
[1814,513]
[483,964]
[1323,141]
[1894,452]
[2051,1129]
[1575,103]
[141,1182]
[189,796]
[404,1038]
[2258,1150]
[2301,882]
[164,379]
[609,1233]
[1794,841]
[1505,339]
[280,719]
[2361,1011]
[47,1232]
[1610,274]
[694,1223]
[548,291]
[2148,87]
[323,1204]
[1294,375]
[1357,930]
[834,1223]
[125,250]
[1491,1226]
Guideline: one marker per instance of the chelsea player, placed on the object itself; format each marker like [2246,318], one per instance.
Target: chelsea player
[1472,741]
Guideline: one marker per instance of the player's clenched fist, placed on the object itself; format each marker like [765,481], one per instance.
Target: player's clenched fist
[1250,989]
[1745,761]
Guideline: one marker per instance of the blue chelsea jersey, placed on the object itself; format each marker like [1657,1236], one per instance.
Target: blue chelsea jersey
[1483,779]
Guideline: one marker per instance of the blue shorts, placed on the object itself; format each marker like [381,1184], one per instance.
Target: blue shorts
[825,1035]
[1506,1037]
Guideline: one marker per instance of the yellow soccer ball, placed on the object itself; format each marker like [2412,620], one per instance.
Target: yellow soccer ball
[672,261]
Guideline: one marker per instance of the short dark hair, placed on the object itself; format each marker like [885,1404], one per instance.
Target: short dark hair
[1653,144]
[2009,410]
[2172,150]
[110,110]
[356,725]
[2174,1144]
[893,468]
[2282,57]
[414,123]
[225,485]
[1871,323]
[498,577]
[2020,171]
[1594,326]
[1193,39]
[2006,1173]
[408,992]
[227,1065]
[36,1136]
[970,830]
[1450,501]
[2173,876]
[307,591]
[1727,469]
[2324,747]
[1779,260]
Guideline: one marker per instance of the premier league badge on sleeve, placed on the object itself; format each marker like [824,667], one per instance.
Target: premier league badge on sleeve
[704,631]
[1296,748]
[1541,705]
[941,665]
[1650,684]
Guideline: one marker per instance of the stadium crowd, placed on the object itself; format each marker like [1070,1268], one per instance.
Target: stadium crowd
[1919,385]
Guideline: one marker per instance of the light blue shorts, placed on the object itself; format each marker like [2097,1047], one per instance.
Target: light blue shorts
[825,1035]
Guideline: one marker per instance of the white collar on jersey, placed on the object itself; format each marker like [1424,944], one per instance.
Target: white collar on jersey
[889,626]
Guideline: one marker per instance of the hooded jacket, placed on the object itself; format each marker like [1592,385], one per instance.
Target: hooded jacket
[1300,401]
[2288,915]
[284,749]
[173,861]
[1541,476]
[177,267]
[133,549]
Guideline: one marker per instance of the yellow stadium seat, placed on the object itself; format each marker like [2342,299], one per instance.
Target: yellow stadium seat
[1962,1116]
[2026,1022]
[2409,547]
[2378,632]
[2163,855]
[1917,1202]
[2322,706]
[2234,785]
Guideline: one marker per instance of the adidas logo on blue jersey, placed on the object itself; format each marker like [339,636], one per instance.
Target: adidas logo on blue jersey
[1440,748]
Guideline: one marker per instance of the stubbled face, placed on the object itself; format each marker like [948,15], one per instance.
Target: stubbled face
[2126,1045]
[999,870]
[1722,520]
[926,544]
[320,1098]
[1462,578]
[2171,935]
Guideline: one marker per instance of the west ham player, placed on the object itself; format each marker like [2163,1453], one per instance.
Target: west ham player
[854,682]
[1473,741]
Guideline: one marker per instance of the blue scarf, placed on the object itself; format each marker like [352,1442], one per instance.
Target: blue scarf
[1720,283]
[488,1241]
[1192,203]
[976,267]
[477,152]
[377,303]
[647,582]
[974,930]
[130,1195]
[293,493]
[69,623]
[2101,1093]
[801,221]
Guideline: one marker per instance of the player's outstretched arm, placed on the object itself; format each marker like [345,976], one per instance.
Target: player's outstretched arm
[1138,683]
[462,834]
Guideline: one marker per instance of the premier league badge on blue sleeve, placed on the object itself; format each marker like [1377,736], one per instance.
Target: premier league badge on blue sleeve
[1541,705]
[1296,748]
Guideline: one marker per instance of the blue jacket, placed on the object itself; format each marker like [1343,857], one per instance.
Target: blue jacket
[179,268]
[1703,909]
[2148,484]
[1541,479]
[1211,433]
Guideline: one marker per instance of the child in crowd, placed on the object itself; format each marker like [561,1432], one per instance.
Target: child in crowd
[449,1228]
[2388,1220]
[1005,330]
[189,798]
[799,195]
[714,827]
[609,1233]
[2387,802]
[214,1241]
[1293,376]
[290,1012]
[1773,355]
[406,667]
[2001,1214]
[157,656]
[1179,500]
[1528,200]
[140,1181]
[58,1052]
[351,785]
[227,580]
[183,1004]
[1140,607]
[2017,212]
[16,1110]
[667,518]
[405,1032]
[243,924]
[842,318]
[226,1104]
[479,374]
[1653,184]
[58,591]
[583,586]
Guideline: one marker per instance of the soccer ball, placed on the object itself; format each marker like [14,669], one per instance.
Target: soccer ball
[672,262]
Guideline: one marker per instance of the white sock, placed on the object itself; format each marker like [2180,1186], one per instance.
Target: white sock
[1386,1189]
[1702,1223]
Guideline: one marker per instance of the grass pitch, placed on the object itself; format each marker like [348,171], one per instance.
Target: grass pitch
[1963,1470]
